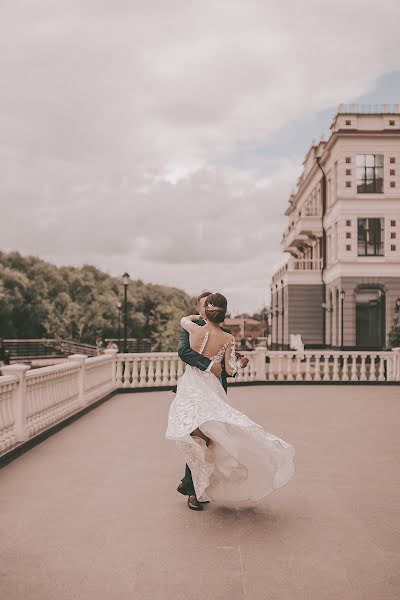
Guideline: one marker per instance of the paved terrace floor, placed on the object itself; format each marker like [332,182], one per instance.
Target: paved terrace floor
[93,513]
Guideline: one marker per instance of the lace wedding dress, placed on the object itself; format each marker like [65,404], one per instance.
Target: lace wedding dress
[243,462]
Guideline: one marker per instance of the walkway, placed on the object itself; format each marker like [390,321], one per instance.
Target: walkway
[92,512]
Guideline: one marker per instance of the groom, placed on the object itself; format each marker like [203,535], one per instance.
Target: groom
[194,359]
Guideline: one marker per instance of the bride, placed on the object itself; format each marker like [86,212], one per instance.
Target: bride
[232,459]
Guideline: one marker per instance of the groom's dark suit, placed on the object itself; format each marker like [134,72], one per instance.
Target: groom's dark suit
[194,359]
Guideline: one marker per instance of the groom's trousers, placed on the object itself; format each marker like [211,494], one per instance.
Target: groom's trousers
[188,482]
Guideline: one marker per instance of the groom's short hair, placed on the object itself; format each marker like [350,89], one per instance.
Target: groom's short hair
[203,295]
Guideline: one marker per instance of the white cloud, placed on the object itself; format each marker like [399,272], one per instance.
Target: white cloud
[116,118]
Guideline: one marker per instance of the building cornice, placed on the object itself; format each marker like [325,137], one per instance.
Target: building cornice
[327,151]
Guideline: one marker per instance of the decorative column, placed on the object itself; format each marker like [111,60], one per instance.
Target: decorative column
[20,407]
[80,358]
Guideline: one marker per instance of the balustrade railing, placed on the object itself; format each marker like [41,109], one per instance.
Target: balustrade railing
[333,366]
[33,401]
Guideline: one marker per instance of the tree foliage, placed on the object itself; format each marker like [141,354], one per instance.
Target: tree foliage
[40,300]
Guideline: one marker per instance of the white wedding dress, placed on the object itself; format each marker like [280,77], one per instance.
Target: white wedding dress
[243,462]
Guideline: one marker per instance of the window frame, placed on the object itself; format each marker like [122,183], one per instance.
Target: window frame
[377,244]
[368,167]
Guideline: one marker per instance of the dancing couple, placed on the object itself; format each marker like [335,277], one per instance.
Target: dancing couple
[230,459]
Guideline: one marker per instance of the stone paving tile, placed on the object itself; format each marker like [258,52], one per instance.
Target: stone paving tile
[93,513]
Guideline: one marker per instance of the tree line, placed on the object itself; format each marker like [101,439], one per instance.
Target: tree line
[41,300]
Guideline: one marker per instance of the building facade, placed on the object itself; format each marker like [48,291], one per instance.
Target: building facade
[341,286]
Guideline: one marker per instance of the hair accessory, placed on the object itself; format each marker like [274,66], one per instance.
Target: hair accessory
[209,305]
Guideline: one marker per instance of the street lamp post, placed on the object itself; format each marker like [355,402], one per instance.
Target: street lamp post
[119,308]
[125,281]
[342,295]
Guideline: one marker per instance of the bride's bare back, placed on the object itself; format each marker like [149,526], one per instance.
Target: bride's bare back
[212,342]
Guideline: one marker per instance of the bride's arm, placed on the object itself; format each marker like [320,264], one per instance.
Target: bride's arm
[232,364]
[189,323]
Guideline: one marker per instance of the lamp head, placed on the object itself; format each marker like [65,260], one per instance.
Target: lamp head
[125,278]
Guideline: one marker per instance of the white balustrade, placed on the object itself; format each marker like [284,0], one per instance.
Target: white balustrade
[148,369]
[52,394]
[100,376]
[333,366]
[33,401]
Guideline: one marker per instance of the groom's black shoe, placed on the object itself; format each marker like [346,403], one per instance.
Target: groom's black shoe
[182,490]
[194,504]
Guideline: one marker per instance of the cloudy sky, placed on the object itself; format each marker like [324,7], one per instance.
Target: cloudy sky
[164,138]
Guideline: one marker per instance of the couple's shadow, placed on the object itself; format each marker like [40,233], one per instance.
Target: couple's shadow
[251,515]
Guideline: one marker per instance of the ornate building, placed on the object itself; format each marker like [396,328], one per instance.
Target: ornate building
[341,285]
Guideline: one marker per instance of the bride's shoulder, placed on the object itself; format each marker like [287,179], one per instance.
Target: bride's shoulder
[228,337]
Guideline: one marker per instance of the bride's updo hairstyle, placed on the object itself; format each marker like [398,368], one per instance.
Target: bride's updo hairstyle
[217,311]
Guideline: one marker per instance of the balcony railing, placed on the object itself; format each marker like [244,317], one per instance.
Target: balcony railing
[298,264]
[34,401]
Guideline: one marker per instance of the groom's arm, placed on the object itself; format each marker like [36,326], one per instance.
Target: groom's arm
[191,357]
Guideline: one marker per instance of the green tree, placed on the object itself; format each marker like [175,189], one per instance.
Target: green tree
[38,299]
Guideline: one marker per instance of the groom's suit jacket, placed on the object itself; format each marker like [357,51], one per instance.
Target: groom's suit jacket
[194,359]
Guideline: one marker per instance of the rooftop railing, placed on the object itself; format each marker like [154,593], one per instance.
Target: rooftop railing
[369,109]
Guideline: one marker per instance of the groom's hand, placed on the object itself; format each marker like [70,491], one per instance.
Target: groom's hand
[216,369]
[244,361]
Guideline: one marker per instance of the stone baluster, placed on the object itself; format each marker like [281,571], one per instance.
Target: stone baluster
[335,374]
[307,376]
[317,374]
[158,372]
[165,374]
[325,376]
[172,375]
[345,369]
[289,367]
[126,373]
[390,367]
[280,368]
[20,430]
[363,371]
[150,373]
[135,373]
[372,368]
[354,376]
[142,374]
[299,376]
[381,376]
